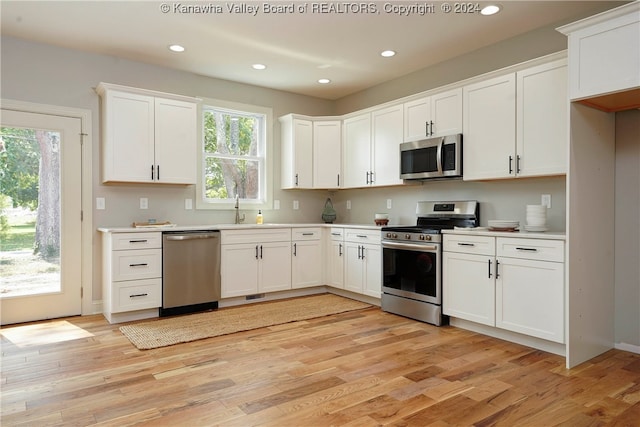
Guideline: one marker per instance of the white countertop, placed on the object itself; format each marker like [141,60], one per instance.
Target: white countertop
[228,227]
[483,231]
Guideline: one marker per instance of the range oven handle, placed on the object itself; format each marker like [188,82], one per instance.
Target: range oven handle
[439,155]
[410,246]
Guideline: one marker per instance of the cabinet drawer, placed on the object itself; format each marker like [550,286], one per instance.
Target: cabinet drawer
[336,234]
[312,233]
[534,249]
[137,264]
[125,241]
[362,235]
[137,295]
[481,245]
[253,235]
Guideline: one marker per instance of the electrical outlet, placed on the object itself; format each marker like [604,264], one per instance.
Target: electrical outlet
[100,203]
[276,204]
[188,204]
[296,205]
[388,203]
[144,203]
[348,204]
[546,200]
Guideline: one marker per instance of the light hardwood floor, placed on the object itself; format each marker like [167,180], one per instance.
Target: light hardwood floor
[362,368]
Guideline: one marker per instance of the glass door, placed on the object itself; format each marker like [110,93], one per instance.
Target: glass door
[40,216]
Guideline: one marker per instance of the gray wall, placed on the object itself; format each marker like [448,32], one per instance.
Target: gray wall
[627,228]
[50,75]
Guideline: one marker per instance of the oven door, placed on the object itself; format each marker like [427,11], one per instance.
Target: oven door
[412,271]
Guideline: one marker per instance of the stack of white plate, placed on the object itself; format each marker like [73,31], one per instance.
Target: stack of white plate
[503,225]
[536,218]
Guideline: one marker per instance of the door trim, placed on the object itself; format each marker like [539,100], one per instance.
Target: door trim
[87,230]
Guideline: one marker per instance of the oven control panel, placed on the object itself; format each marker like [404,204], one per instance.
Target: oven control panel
[412,237]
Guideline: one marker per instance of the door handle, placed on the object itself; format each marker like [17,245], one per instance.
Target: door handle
[152,175]
[260,251]
[489,269]
[295,248]
[510,165]
[138,295]
[340,249]
[144,264]
[256,251]
[497,266]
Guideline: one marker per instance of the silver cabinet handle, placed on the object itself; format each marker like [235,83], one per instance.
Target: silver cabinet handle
[510,165]
[497,266]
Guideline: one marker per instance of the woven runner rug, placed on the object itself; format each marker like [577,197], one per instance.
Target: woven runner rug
[174,330]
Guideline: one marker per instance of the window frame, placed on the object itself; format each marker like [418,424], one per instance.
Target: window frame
[267,174]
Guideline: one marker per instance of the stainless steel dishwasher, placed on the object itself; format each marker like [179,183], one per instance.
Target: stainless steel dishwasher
[190,271]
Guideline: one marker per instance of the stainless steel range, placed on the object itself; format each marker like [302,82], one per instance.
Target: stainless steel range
[412,259]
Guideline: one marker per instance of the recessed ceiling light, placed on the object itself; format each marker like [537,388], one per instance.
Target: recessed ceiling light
[387,53]
[176,48]
[491,9]
[259,66]
[324,81]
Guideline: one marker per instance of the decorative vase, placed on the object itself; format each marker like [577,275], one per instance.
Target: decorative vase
[328,214]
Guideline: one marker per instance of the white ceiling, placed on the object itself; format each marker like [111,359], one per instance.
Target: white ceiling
[298,48]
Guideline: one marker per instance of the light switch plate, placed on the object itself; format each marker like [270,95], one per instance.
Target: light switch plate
[276,204]
[296,205]
[348,204]
[188,204]
[100,203]
[144,203]
[388,203]
[546,200]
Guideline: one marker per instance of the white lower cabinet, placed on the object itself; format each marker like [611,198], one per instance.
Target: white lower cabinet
[363,262]
[306,261]
[335,258]
[132,275]
[255,261]
[516,284]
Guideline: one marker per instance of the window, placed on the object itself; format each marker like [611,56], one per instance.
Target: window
[235,155]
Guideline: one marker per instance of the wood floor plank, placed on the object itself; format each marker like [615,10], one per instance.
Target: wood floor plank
[361,368]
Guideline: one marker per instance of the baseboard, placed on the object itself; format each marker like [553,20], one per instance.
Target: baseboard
[628,347]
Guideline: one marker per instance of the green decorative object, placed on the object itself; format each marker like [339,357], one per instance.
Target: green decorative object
[328,214]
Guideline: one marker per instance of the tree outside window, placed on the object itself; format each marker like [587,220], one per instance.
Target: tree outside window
[233,156]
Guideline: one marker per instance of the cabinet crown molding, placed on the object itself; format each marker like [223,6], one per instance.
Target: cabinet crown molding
[103,87]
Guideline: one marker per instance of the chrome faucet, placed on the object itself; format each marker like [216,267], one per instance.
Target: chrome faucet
[238,218]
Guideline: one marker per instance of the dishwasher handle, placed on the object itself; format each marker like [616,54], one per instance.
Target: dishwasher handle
[188,236]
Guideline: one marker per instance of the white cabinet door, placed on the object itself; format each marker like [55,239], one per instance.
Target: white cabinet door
[417,114]
[530,298]
[542,120]
[604,53]
[468,289]
[387,137]
[239,269]
[306,264]
[175,141]
[353,269]
[446,113]
[372,264]
[336,264]
[274,268]
[297,152]
[357,151]
[327,154]
[489,128]
[128,137]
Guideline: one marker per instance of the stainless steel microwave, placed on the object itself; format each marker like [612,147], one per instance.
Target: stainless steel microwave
[432,158]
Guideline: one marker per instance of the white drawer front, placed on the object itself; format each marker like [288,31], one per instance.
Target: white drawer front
[480,245]
[336,234]
[362,236]
[534,249]
[255,236]
[137,264]
[126,241]
[312,233]
[137,295]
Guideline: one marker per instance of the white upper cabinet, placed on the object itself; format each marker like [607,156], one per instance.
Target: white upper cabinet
[387,137]
[148,137]
[327,153]
[604,57]
[356,137]
[432,116]
[371,148]
[542,120]
[516,125]
[297,152]
[489,128]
